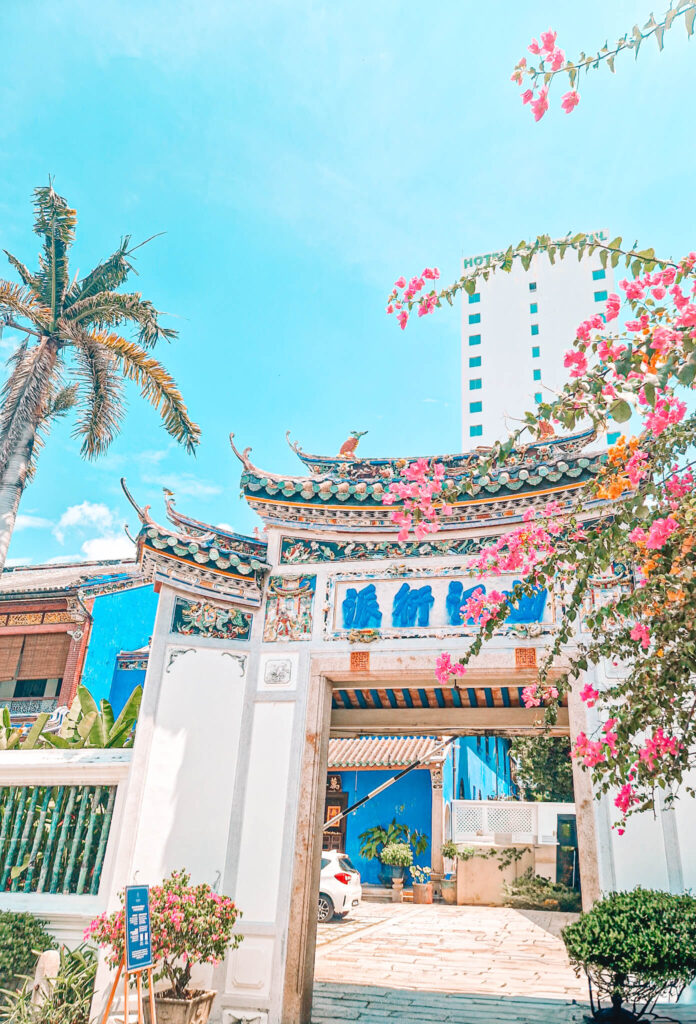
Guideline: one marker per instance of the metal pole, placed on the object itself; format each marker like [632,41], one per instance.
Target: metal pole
[389,782]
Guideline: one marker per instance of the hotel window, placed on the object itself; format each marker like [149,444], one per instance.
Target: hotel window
[532,286]
[538,397]
[536,351]
[475,361]
[476,297]
[600,296]
[598,275]
[475,406]
[474,339]
[474,318]
[475,384]
[535,328]
[537,375]
[533,307]
[614,437]
[476,431]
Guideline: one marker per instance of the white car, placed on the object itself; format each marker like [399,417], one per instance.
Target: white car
[339,885]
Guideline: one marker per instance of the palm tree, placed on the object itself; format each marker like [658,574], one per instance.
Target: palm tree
[71,356]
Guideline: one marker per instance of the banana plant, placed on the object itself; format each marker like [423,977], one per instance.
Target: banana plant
[89,725]
[15,737]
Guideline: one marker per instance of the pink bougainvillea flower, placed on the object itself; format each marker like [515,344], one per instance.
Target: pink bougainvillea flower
[589,695]
[541,104]
[613,305]
[403,319]
[400,282]
[570,100]
[642,633]
[557,59]
[534,47]
[548,40]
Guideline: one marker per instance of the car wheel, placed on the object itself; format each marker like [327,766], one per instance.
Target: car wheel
[326,908]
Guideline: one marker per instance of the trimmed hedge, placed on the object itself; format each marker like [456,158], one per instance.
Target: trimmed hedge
[635,946]
[22,938]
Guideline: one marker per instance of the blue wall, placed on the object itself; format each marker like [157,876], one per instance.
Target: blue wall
[120,622]
[409,801]
[483,768]
[470,767]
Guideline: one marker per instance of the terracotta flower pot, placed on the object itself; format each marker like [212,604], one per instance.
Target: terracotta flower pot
[181,1011]
[422,892]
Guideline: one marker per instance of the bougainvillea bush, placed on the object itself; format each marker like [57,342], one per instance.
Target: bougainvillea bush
[190,924]
[626,577]
[634,948]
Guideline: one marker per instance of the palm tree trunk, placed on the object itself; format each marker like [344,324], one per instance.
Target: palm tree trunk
[12,483]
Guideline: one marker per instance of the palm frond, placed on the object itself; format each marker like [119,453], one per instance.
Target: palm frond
[29,279]
[60,402]
[106,276]
[16,300]
[56,221]
[100,394]
[25,395]
[156,385]
[110,309]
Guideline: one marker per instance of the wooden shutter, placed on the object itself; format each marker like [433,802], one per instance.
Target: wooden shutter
[44,656]
[10,646]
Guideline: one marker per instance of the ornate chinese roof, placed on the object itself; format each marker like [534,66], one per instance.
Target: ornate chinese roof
[89,578]
[229,563]
[346,493]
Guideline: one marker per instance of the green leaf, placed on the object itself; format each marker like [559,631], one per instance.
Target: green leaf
[689,22]
[620,411]
[649,390]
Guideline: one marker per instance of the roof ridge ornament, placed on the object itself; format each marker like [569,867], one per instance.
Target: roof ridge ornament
[144,512]
[242,456]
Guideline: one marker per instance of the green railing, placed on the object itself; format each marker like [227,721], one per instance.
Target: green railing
[53,838]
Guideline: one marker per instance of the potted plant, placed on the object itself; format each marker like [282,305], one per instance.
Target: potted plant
[448,885]
[374,839]
[396,857]
[634,947]
[422,886]
[190,924]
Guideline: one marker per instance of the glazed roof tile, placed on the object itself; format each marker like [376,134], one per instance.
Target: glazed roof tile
[25,579]
[380,751]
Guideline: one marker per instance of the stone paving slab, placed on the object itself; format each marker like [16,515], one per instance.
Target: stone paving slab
[370,1004]
[439,948]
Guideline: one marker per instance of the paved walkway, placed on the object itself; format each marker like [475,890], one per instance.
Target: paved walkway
[368,1004]
[448,965]
[438,948]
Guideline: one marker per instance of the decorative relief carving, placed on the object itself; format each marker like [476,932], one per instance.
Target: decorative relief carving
[240,659]
[278,672]
[289,608]
[175,653]
[360,661]
[200,618]
[525,657]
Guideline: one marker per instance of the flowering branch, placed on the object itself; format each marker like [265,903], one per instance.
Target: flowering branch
[552,60]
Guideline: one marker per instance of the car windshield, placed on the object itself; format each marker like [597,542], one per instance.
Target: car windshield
[325,862]
[346,864]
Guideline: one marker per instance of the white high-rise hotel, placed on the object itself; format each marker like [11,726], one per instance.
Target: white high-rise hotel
[515,331]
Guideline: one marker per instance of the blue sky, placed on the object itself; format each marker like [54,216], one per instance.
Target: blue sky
[300,156]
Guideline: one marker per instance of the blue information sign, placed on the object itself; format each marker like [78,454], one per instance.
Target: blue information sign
[138,938]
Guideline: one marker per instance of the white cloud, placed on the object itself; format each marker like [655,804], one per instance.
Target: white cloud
[64,559]
[85,515]
[184,483]
[12,562]
[111,546]
[225,526]
[24,522]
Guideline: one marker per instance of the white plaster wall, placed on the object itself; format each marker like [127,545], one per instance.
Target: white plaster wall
[187,794]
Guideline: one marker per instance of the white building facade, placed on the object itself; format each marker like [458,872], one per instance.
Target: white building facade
[515,330]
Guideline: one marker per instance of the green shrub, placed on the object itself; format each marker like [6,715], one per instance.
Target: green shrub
[635,947]
[22,938]
[69,1000]
[399,855]
[449,850]
[534,892]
